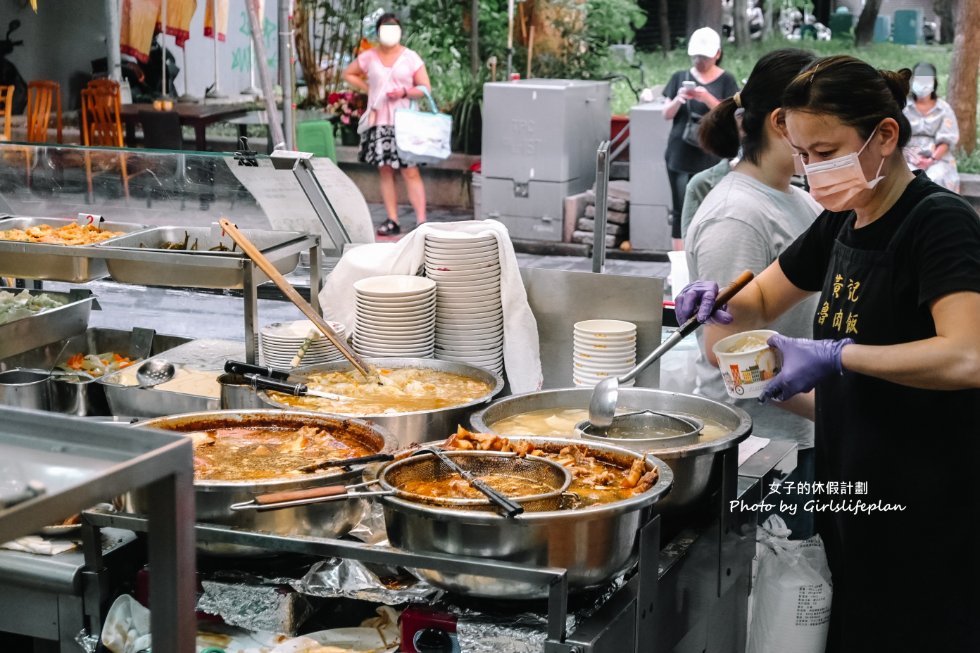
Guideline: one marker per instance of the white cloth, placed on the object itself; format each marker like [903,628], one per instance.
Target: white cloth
[127,626]
[39,545]
[522,355]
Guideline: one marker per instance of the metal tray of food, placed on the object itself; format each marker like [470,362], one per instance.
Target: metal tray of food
[144,258]
[47,262]
[80,394]
[50,325]
[195,387]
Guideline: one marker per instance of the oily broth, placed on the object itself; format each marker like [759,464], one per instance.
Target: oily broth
[455,486]
[260,453]
[560,422]
[406,390]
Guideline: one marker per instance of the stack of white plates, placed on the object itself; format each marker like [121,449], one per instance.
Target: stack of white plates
[469,316]
[602,348]
[280,341]
[395,316]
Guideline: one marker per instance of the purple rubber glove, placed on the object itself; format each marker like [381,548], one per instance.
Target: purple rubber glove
[805,363]
[699,297]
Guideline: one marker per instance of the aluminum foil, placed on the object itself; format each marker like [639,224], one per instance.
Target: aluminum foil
[255,604]
[343,578]
[526,632]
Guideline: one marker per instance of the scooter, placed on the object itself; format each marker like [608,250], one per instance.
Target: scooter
[9,75]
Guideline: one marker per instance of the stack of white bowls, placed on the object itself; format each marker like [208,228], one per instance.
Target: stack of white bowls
[469,315]
[395,316]
[279,343]
[602,348]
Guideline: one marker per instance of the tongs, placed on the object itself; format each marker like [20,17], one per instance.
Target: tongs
[261,377]
[291,498]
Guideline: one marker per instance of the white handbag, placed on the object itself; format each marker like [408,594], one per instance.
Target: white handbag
[423,136]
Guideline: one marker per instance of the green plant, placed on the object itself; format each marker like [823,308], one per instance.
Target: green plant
[968,163]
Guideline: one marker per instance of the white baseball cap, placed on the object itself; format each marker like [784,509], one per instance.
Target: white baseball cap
[704,42]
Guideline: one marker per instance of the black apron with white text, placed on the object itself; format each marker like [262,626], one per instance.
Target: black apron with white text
[905,574]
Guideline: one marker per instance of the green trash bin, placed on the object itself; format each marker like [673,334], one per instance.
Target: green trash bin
[908,26]
[317,137]
[841,25]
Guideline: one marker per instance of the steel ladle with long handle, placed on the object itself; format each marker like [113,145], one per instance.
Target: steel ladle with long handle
[605,396]
[253,253]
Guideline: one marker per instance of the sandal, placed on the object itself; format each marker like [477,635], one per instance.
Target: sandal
[389,228]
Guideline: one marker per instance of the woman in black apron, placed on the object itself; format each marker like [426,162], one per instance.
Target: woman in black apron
[895,363]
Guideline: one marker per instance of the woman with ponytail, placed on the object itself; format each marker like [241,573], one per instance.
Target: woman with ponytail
[744,223]
[895,360]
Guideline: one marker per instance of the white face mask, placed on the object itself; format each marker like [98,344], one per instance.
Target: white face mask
[923,86]
[835,183]
[389,35]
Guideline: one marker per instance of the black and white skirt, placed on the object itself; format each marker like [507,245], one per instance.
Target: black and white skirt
[378,147]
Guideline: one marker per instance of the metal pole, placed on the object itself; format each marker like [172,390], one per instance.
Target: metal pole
[286,71]
[163,49]
[113,61]
[216,89]
[255,25]
[601,191]
[510,38]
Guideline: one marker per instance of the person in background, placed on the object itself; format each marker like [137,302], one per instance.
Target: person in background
[391,75]
[934,130]
[698,187]
[895,362]
[748,219]
[692,93]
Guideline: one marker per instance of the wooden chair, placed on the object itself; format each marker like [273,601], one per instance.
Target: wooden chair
[103,83]
[6,110]
[41,96]
[102,127]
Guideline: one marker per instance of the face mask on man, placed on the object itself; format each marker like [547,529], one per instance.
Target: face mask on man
[835,183]
[923,86]
[389,35]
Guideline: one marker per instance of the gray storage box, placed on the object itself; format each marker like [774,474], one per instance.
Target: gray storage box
[650,200]
[540,138]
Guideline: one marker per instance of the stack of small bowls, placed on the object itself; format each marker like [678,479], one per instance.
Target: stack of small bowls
[395,316]
[469,315]
[279,343]
[602,348]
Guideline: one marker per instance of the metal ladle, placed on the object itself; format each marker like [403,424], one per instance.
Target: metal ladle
[154,372]
[605,396]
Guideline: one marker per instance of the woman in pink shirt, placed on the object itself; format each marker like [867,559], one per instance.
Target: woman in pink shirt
[390,74]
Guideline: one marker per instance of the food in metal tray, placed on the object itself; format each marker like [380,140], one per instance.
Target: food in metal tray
[560,422]
[266,452]
[70,234]
[24,304]
[203,383]
[187,246]
[594,481]
[90,366]
[403,390]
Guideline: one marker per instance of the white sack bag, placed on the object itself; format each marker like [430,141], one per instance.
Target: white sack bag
[423,136]
[791,596]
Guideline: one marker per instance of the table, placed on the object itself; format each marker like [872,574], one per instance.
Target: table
[198,116]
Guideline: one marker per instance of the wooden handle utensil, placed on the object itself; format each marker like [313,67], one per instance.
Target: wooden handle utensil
[253,253]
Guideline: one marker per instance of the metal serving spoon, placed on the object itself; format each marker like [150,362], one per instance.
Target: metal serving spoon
[605,396]
[154,372]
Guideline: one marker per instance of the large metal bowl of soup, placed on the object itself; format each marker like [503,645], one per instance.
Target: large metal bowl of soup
[696,466]
[241,454]
[421,399]
[594,536]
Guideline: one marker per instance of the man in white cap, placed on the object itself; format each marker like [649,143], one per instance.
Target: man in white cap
[692,93]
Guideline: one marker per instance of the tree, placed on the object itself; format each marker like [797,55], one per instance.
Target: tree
[740,20]
[963,72]
[946,11]
[865,29]
[664,24]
